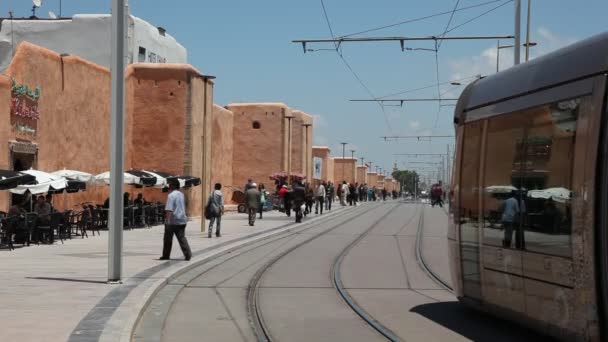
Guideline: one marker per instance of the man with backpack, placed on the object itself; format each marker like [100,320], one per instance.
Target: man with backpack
[437,195]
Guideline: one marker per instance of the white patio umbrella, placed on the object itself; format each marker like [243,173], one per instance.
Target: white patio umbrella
[75,175]
[104,179]
[45,182]
[161,182]
[557,194]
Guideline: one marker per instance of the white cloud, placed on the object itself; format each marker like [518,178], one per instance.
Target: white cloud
[415,125]
[485,62]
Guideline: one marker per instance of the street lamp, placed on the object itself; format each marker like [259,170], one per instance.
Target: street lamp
[117,135]
[289,117]
[343,158]
[362,158]
[500,47]
[306,125]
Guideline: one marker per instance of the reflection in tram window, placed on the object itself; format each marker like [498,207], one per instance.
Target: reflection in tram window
[502,201]
[469,211]
[548,221]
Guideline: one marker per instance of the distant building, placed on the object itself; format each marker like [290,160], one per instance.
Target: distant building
[89,36]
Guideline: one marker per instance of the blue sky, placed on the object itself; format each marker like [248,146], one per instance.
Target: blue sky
[246,44]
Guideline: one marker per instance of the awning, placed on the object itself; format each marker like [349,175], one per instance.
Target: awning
[44,182]
[12,179]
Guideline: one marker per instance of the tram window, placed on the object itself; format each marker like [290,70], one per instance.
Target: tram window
[469,211]
[549,161]
[502,180]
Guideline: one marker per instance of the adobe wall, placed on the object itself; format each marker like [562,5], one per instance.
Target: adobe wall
[323,153]
[344,170]
[258,153]
[381,182]
[5,129]
[222,149]
[362,174]
[372,179]
[163,115]
[302,143]
[73,128]
[166,124]
[330,170]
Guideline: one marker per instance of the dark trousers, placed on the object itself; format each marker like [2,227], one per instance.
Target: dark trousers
[328,203]
[180,232]
[252,212]
[319,204]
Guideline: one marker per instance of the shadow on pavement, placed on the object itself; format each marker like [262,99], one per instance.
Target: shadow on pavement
[70,280]
[475,325]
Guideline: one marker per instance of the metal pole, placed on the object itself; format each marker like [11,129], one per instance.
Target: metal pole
[343,158]
[449,174]
[517,42]
[115,215]
[362,158]
[497,55]
[289,149]
[528,32]
[60,8]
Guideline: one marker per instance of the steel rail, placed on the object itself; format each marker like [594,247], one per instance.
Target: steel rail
[256,317]
[337,281]
[420,258]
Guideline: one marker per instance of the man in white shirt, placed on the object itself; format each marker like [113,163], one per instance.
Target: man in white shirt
[175,223]
[321,194]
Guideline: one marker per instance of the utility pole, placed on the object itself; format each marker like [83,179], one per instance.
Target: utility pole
[352,153]
[517,41]
[117,135]
[528,32]
[448,179]
[343,158]
[306,156]
[362,158]
[289,117]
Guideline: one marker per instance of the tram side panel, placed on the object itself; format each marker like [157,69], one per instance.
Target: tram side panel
[540,265]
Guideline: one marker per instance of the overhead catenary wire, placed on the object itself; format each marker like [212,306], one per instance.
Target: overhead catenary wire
[479,16]
[428,86]
[447,27]
[419,19]
[350,68]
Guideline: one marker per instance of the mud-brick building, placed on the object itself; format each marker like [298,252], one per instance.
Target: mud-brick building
[345,169]
[362,174]
[55,111]
[322,164]
[222,148]
[372,179]
[262,135]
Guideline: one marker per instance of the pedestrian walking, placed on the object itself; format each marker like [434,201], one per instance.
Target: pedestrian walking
[299,197]
[330,195]
[321,194]
[510,220]
[176,220]
[264,198]
[352,194]
[215,210]
[343,193]
[309,199]
[384,193]
[253,201]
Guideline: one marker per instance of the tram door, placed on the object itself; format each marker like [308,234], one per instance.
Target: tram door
[469,210]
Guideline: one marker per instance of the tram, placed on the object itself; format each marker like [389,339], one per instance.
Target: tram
[528,235]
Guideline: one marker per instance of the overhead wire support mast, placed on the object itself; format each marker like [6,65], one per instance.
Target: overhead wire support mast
[402,40]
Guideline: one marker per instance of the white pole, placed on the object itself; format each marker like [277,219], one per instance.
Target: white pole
[115,215]
[517,43]
[528,32]
[497,55]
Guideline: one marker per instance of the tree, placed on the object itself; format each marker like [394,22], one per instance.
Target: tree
[410,180]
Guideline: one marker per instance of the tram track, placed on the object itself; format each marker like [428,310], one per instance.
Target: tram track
[242,270]
[420,256]
[258,324]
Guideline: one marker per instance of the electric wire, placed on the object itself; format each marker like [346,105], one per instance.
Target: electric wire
[479,16]
[428,86]
[350,68]
[447,27]
[420,19]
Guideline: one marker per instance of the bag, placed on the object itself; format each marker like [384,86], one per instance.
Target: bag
[211,210]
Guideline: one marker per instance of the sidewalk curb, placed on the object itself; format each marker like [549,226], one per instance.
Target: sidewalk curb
[137,310]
